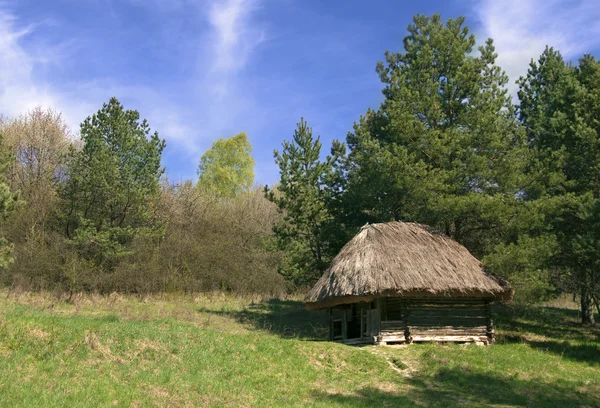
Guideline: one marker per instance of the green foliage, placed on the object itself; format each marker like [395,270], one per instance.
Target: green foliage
[227,168]
[302,199]
[211,244]
[8,202]
[560,109]
[112,183]
[98,206]
[6,198]
[39,141]
[444,148]
[524,263]
[102,245]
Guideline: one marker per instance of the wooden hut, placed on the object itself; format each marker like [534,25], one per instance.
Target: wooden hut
[404,282]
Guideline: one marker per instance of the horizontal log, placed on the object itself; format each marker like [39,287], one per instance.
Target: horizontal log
[394,328]
[446,306]
[393,322]
[448,333]
[392,332]
[425,328]
[449,312]
[393,339]
[454,330]
[446,300]
[446,321]
[437,304]
[482,339]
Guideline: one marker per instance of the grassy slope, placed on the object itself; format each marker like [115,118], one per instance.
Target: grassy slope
[222,351]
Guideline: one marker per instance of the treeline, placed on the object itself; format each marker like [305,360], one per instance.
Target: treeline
[98,214]
[517,184]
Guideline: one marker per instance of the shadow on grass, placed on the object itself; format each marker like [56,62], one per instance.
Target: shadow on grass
[582,352]
[457,388]
[286,318]
[561,331]
[545,321]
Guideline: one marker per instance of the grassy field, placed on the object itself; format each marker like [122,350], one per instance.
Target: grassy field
[227,351]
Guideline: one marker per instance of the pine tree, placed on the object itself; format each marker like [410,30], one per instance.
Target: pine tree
[560,109]
[112,183]
[444,147]
[302,199]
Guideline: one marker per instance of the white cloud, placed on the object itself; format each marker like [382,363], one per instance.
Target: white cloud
[189,117]
[233,38]
[521,29]
[21,90]
[18,91]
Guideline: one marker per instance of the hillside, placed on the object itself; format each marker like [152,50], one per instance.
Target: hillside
[227,351]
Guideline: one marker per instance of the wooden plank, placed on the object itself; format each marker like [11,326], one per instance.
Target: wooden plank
[491,333]
[482,339]
[449,321]
[401,326]
[381,305]
[437,304]
[393,339]
[446,300]
[449,328]
[448,306]
[393,334]
[373,322]
[446,333]
[450,312]
[392,323]
[362,323]
[376,315]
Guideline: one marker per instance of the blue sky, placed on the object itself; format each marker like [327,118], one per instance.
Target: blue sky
[203,69]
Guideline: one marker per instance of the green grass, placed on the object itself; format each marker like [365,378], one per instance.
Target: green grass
[226,351]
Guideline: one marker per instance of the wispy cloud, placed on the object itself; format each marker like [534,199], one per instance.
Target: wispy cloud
[234,36]
[21,89]
[18,90]
[521,29]
[189,111]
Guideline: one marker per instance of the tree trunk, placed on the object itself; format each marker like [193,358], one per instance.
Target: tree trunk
[587,307]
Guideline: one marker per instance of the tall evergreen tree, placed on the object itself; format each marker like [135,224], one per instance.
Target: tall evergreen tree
[112,183]
[302,199]
[444,147]
[560,108]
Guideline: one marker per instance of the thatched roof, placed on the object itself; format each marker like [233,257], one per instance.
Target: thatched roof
[403,259]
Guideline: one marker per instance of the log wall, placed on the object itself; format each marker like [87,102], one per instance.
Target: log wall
[436,319]
[394,320]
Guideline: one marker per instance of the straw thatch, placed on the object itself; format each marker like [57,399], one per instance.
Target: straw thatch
[403,259]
